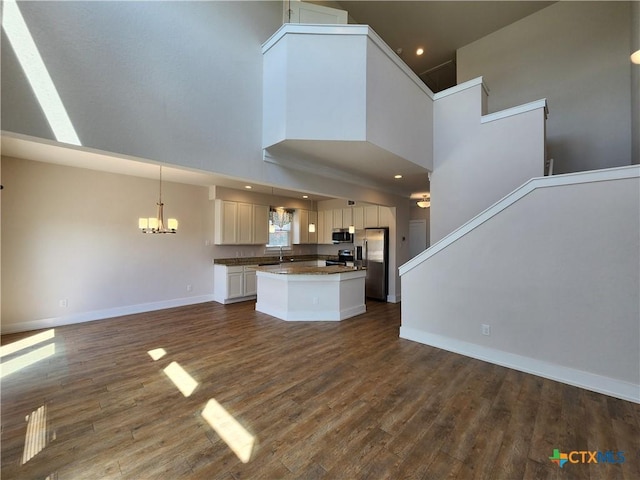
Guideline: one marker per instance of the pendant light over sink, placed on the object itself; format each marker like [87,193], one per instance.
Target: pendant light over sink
[352,227]
[156,225]
[312,226]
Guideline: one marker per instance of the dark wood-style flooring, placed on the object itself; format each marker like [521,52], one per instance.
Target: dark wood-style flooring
[321,400]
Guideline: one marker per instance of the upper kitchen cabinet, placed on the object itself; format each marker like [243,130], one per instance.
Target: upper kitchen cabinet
[337,95]
[301,221]
[305,226]
[239,223]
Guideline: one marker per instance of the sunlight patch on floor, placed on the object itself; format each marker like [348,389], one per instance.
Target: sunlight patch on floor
[26,342]
[157,353]
[229,430]
[36,438]
[180,378]
[237,438]
[18,363]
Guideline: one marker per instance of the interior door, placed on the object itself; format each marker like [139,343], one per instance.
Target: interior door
[417,237]
[303,12]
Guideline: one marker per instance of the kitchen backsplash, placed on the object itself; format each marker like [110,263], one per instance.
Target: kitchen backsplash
[233,251]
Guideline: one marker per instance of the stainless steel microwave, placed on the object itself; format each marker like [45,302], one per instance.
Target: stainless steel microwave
[342,235]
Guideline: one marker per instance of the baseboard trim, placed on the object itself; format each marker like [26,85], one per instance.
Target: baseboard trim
[393,298]
[311,315]
[91,316]
[571,376]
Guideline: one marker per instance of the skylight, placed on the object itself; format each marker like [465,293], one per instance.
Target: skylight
[36,72]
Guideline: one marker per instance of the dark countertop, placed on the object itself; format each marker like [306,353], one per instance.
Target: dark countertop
[271,259]
[302,270]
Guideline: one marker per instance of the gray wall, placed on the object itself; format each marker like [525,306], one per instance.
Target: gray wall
[176,82]
[635,84]
[575,54]
[72,233]
[555,277]
[475,163]
[172,82]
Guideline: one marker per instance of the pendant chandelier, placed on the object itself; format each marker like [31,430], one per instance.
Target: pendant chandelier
[425,202]
[156,225]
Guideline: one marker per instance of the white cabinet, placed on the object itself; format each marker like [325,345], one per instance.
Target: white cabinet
[302,220]
[376,216]
[313,220]
[226,222]
[325,224]
[347,217]
[385,217]
[245,223]
[260,224]
[250,281]
[239,223]
[337,218]
[371,216]
[320,227]
[358,217]
[234,283]
[300,226]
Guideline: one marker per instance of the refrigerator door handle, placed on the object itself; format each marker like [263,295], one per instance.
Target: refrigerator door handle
[365,253]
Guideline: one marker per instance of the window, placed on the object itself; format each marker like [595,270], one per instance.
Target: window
[280,220]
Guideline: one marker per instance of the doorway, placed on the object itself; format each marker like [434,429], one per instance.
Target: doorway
[417,237]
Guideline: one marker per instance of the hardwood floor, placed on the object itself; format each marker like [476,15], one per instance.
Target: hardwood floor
[345,400]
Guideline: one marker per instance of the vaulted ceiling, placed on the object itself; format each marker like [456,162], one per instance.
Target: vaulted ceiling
[439,27]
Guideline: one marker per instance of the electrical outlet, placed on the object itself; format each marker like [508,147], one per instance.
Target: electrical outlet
[315,300]
[486,329]
[189,288]
[64,303]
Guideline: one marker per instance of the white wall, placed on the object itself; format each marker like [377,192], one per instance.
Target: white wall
[575,54]
[417,213]
[399,112]
[325,98]
[635,84]
[71,233]
[175,82]
[343,84]
[556,277]
[476,164]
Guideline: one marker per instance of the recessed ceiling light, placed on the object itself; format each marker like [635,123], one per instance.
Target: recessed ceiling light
[420,51]
[397,176]
[248,187]
[305,196]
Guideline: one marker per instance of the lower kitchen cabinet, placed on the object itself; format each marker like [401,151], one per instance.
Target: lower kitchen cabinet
[235,283]
[250,281]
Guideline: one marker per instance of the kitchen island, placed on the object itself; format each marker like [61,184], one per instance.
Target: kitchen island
[307,293]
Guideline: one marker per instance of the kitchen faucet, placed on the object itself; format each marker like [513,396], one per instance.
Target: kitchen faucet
[280,253]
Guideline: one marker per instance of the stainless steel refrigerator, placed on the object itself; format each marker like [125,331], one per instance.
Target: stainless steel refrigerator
[372,252]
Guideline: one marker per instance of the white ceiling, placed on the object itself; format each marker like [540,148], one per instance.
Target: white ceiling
[439,27]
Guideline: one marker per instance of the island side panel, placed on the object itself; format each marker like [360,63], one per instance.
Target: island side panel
[330,297]
[352,296]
